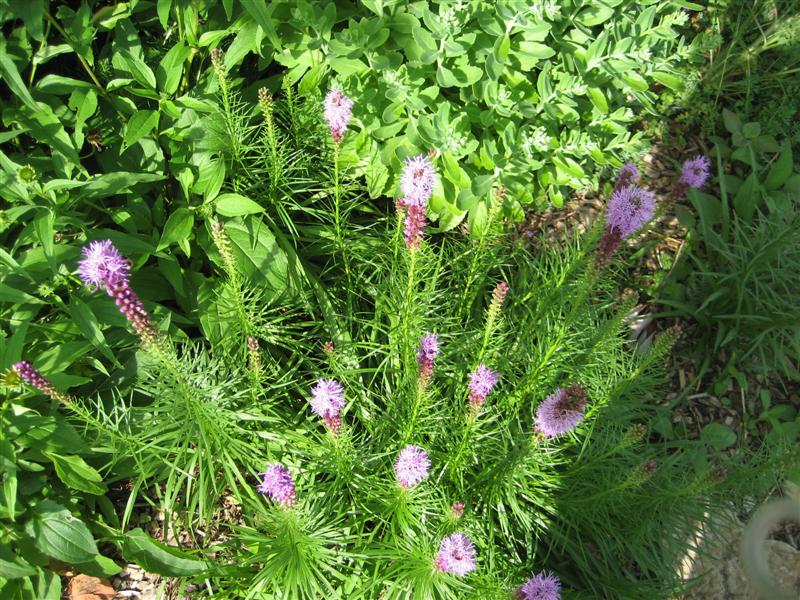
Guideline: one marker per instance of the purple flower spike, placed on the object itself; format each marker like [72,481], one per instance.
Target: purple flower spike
[629,209]
[101,264]
[456,555]
[327,400]
[542,586]
[695,172]
[338,112]
[428,351]
[628,174]
[415,223]
[33,377]
[277,484]
[481,382]
[561,411]
[411,466]
[417,180]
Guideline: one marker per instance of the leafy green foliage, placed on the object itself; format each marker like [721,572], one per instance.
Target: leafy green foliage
[739,279]
[247,228]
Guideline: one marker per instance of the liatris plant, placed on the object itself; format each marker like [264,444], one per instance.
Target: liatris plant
[416,184]
[694,174]
[327,400]
[426,356]
[411,466]
[628,175]
[542,586]
[104,267]
[456,555]
[481,381]
[31,376]
[561,411]
[338,112]
[629,209]
[375,508]
[277,483]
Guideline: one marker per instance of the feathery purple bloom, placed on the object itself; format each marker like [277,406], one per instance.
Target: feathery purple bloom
[628,174]
[695,172]
[104,266]
[327,400]
[426,355]
[542,586]
[277,483]
[338,112]
[629,209]
[456,555]
[411,466]
[417,180]
[481,382]
[561,411]
[101,264]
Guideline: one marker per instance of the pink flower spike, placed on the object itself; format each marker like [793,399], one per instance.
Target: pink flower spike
[561,411]
[695,172]
[338,110]
[542,586]
[412,466]
[277,483]
[456,555]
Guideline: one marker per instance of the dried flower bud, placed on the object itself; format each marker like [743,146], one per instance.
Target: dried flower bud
[457,510]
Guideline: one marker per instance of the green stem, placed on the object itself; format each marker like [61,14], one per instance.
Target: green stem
[408,346]
[82,60]
[418,397]
[338,225]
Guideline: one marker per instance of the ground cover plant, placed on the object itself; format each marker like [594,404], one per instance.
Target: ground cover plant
[208,298]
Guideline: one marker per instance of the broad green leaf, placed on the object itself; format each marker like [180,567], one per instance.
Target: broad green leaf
[780,171]
[9,294]
[170,69]
[59,534]
[236,205]
[99,566]
[8,468]
[598,99]
[14,81]
[257,255]
[126,61]
[77,473]
[118,182]
[262,14]
[60,85]
[718,436]
[87,322]
[45,127]
[32,14]
[454,172]
[139,125]
[595,15]
[747,197]
[347,66]
[732,122]
[13,566]
[155,557]
[178,227]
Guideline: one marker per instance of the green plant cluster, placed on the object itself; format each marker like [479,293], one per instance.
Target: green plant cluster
[538,96]
[739,275]
[752,66]
[268,257]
